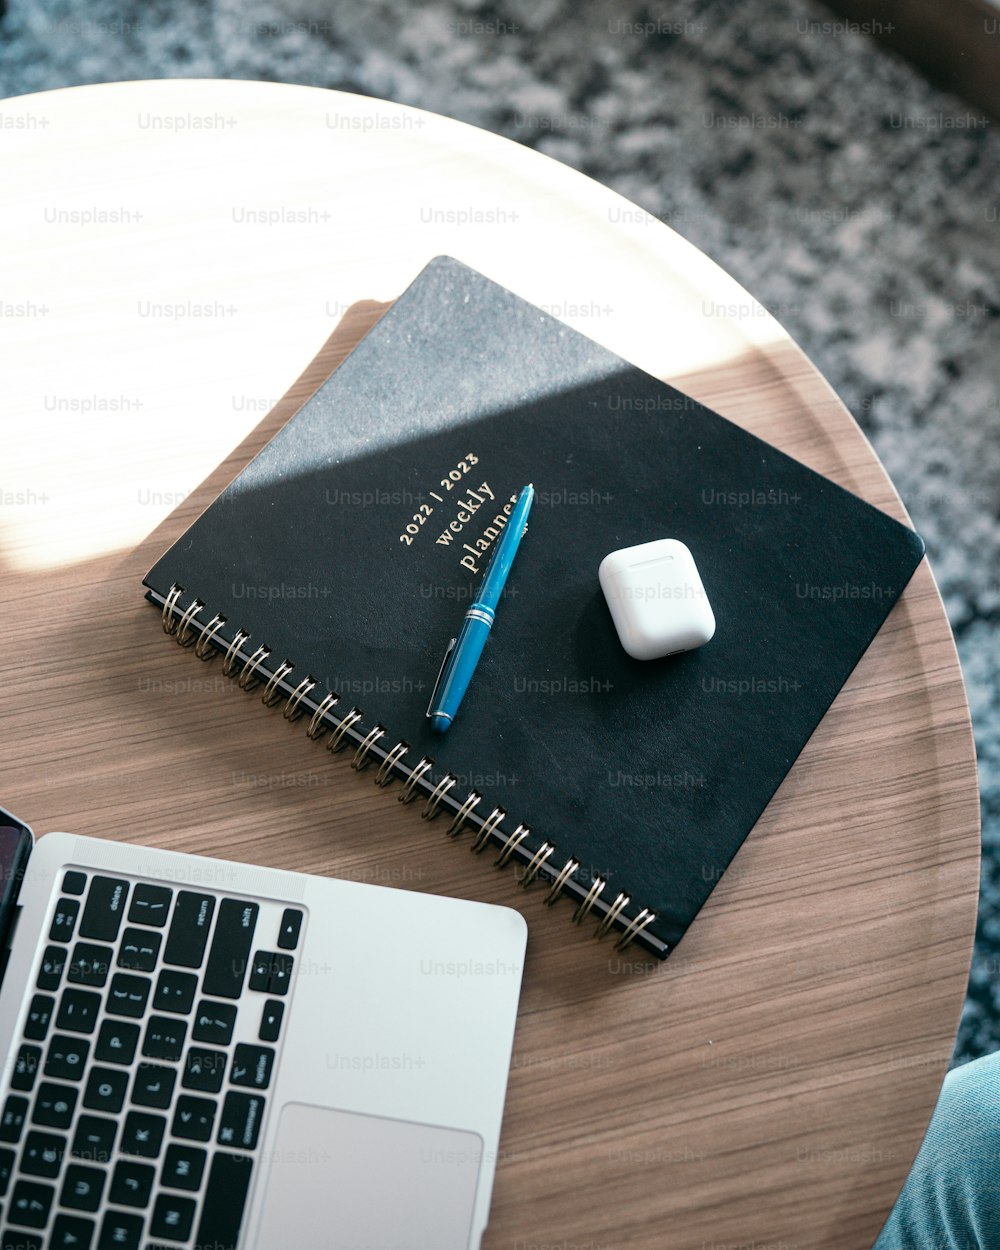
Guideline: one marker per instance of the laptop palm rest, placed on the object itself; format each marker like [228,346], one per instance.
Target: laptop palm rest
[339,1180]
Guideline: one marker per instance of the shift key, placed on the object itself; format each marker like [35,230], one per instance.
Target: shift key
[227,960]
[189,926]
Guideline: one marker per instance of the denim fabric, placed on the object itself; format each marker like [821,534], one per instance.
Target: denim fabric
[951,1199]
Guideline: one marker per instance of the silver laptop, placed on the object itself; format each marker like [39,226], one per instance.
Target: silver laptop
[207,1054]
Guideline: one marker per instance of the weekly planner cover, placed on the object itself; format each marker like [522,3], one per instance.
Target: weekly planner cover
[334,569]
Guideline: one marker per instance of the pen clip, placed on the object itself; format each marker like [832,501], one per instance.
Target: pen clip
[437,682]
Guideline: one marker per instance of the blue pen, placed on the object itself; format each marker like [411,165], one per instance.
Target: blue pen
[463,653]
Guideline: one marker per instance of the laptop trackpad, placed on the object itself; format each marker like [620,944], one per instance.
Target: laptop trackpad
[340,1181]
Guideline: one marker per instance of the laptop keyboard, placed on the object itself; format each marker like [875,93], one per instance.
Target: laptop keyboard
[139,1086]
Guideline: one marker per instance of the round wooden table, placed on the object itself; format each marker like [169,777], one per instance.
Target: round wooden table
[175,255]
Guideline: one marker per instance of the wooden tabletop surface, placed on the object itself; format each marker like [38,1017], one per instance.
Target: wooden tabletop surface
[175,254]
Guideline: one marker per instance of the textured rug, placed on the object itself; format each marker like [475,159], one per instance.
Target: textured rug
[857,203]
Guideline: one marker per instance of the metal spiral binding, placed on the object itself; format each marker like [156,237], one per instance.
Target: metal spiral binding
[612,914]
[384,774]
[316,727]
[539,858]
[361,759]
[486,829]
[635,927]
[447,782]
[167,614]
[337,742]
[183,626]
[594,893]
[183,637]
[511,845]
[239,638]
[292,710]
[424,765]
[567,870]
[458,824]
[248,677]
[271,693]
[203,648]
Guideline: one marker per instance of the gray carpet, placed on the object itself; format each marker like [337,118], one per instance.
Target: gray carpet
[856,202]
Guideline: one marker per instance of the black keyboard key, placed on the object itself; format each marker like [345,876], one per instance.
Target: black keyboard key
[90,964]
[128,995]
[213,1022]
[224,1202]
[105,1090]
[291,924]
[172,1217]
[74,882]
[94,1138]
[260,971]
[30,1204]
[175,991]
[105,907]
[14,1239]
[138,949]
[36,1026]
[281,974]
[66,1057]
[204,1070]
[43,1154]
[164,1038]
[270,1020]
[54,1105]
[132,1183]
[116,1042]
[193,1118]
[189,926]
[227,960]
[82,1188]
[50,973]
[7,1158]
[26,1068]
[153,1086]
[150,905]
[64,919]
[239,1124]
[252,1066]
[120,1230]
[143,1134]
[78,1011]
[72,1232]
[15,1112]
[183,1167]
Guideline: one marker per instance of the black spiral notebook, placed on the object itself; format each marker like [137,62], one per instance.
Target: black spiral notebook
[333,570]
